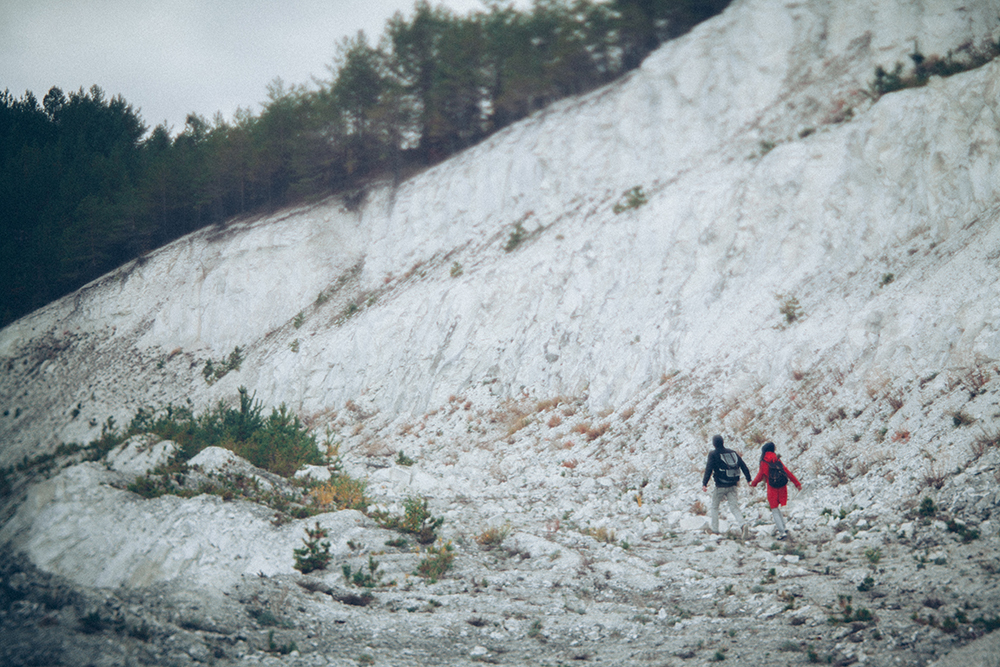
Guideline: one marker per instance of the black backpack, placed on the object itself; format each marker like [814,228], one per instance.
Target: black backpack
[776,475]
[728,466]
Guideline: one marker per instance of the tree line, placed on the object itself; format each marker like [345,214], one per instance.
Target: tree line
[85,186]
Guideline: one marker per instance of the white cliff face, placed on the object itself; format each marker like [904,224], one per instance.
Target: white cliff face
[415,298]
[416,324]
[593,303]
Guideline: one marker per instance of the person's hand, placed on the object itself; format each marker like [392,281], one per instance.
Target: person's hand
[798,486]
[753,485]
[704,488]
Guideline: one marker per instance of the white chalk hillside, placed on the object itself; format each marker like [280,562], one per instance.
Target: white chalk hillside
[593,303]
[770,179]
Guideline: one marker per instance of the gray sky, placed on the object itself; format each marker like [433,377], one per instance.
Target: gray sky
[172,57]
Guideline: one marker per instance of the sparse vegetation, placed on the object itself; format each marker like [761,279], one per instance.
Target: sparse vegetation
[438,561]
[216,370]
[517,237]
[340,492]
[370,579]
[279,443]
[961,418]
[964,532]
[764,147]
[601,534]
[927,508]
[416,520]
[789,308]
[315,554]
[630,199]
[924,67]
[493,536]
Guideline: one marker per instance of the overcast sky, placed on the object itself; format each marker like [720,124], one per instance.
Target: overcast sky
[172,57]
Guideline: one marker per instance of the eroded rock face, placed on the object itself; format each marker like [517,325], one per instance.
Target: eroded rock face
[807,264]
[592,302]
[80,526]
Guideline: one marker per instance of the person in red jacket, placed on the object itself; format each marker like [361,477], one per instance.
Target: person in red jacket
[777,476]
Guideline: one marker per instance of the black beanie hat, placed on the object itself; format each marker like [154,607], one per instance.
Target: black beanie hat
[768,447]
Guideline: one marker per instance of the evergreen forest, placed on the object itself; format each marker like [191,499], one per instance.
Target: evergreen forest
[86,186]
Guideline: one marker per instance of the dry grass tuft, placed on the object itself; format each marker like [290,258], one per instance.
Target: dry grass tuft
[601,534]
[934,479]
[698,508]
[554,420]
[518,425]
[984,442]
[901,436]
[549,403]
[493,536]
[341,492]
[597,432]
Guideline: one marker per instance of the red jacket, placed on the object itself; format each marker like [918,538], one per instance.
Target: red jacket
[776,497]
[771,457]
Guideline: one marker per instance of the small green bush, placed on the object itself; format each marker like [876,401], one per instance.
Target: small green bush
[517,237]
[416,520]
[967,534]
[315,555]
[924,67]
[278,443]
[281,649]
[215,370]
[633,198]
[264,617]
[439,560]
[360,578]
[873,554]
[92,623]
[789,308]
[927,508]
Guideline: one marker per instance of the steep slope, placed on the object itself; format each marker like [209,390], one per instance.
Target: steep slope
[594,302]
[806,264]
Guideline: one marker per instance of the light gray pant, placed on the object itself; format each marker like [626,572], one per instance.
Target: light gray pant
[779,521]
[727,493]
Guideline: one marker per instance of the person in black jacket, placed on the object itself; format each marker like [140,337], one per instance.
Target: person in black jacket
[725,466]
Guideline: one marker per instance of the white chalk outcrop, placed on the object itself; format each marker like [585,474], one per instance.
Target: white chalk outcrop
[594,303]
[772,180]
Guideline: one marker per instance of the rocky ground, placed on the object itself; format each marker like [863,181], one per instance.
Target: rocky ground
[645,584]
